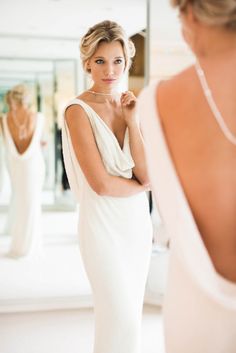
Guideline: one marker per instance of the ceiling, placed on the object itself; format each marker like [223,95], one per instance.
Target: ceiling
[52,28]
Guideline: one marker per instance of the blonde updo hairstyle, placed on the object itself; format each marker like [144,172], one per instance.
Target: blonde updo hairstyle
[19,95]
[211,12]
[106,31]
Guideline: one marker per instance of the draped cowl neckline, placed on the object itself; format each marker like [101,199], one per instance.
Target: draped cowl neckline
[117,161]
[105,125]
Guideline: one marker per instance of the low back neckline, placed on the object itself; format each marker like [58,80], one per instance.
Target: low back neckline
[12,141]
[185,235]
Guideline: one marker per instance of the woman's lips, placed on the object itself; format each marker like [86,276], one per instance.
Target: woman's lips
[108,80]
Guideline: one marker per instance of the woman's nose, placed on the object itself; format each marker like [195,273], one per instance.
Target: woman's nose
[109,70]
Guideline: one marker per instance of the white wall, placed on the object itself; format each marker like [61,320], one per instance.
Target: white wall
[168,52]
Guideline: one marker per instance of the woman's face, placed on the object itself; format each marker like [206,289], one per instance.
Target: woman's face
[107,65]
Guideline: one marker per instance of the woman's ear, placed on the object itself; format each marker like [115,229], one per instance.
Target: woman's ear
[190,15]
[88,65]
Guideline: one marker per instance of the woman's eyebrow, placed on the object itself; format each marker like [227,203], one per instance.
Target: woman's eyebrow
[102,57]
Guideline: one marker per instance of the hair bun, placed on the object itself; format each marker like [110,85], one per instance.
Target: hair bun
[211,12]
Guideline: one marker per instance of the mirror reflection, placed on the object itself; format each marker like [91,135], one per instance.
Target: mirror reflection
[45,60]
[22,136]
[50,83]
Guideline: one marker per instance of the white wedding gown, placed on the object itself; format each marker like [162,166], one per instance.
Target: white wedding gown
[115,236]
[199,305]
[1,164]
[26,173]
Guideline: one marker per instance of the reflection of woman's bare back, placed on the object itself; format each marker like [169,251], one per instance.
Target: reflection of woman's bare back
[25,119]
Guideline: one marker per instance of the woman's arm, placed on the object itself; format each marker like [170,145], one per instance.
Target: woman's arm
[128,102]
[1,125]
[90,160]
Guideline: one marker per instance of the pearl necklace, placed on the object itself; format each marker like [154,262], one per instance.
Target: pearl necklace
[215,111]
[102,94]
[22,131]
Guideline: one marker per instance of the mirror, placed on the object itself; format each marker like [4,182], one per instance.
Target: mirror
[46,59]
[42,52]
[51,84]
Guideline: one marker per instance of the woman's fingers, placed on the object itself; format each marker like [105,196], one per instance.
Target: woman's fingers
[128,98]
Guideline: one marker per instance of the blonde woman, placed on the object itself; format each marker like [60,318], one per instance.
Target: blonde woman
[22,132]
[104,158]
[190,134]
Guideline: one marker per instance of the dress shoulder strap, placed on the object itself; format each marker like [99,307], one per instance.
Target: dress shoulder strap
[85,106]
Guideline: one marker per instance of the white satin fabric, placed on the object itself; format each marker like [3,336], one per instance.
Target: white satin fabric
[200,305]
[26,173]
[115,237]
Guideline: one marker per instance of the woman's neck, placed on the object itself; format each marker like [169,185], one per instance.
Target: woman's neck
[222,63]
[102,95]
[19,108]
[215,42]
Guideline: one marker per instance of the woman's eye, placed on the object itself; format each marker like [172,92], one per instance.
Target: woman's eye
[119,61]
[99,61]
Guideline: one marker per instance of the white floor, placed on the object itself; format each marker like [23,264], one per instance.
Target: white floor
[67,331]
[55,279]
[46,304]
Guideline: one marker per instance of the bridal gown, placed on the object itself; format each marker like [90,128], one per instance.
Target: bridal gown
[199,305]
[26,173]
[115,237]
[1,163]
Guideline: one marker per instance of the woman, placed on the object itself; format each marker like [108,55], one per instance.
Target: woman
[22,131]
[104,158]
[190,137]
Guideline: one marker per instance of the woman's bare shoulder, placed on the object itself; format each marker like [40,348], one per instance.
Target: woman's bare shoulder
[76,115]
[176,88]
[74,111]
[74,107]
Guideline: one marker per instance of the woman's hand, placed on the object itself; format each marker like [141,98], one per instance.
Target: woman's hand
[128,105]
